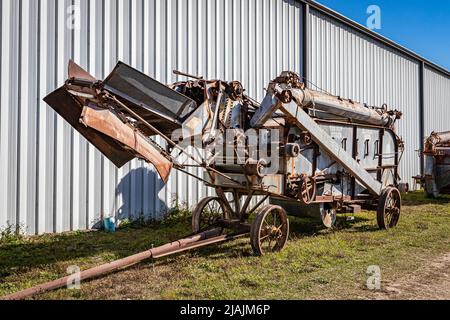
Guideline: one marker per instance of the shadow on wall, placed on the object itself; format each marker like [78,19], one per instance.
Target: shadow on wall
[137,195]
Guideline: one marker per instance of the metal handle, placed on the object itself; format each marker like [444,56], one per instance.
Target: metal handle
[179,73]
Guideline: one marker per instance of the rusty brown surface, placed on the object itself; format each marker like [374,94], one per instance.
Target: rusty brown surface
[437,143]
[75,71]
[108,125]
[196,241]
[106,122]
[70,109]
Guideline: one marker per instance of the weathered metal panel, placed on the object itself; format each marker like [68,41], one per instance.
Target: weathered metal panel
[327,142]
[345,62]
[436,101]
[51,178]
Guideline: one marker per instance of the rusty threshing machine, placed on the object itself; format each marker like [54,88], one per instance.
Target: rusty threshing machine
[299,151]
[436,153]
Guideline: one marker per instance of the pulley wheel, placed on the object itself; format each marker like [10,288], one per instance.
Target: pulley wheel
[307,190]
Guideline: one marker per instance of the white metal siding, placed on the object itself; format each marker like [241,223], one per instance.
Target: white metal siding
[347,63]
[436,101]
[51,178]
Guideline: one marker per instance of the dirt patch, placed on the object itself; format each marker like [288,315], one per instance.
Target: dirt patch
[430,282]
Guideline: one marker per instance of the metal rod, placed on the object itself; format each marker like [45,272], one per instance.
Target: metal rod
[203,243]
[196,241]
[192,175]
[246,203]
[258,204]
[184,74]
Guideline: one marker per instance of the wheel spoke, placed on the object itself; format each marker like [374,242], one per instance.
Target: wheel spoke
[389,202]
[264,237]
[388,217]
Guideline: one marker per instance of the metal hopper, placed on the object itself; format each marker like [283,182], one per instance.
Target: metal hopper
[114,114]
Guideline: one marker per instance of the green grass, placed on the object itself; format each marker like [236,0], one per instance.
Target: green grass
[316,263]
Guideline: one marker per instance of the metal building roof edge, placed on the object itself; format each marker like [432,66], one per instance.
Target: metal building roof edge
[340,17]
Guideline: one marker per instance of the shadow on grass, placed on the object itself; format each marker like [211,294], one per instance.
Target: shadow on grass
[365,228]
[419,198]
[45,250]
[311,226]
[229,250]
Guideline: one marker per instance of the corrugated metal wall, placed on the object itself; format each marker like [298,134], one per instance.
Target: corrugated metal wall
[346,62]
[436,101]
[51,179]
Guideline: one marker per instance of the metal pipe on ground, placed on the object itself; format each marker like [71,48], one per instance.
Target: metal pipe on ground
[195,241]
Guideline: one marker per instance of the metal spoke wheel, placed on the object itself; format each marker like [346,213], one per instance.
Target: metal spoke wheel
[307,190]
[270,230]
[207,214]
[389,206]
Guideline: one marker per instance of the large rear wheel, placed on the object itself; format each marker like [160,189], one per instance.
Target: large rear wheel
[389,206]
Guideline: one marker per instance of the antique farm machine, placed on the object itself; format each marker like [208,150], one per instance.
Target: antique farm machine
[436,153]
[299,151]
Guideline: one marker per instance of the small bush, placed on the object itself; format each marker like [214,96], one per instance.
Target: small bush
[179,213]
[11,234]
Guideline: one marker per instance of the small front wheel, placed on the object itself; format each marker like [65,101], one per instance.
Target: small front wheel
[270,230]
[389,206]
[208,213]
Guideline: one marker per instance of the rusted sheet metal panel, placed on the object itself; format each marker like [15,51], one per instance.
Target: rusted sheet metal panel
[67,107]
[75,71]
[85,104]
[104,121]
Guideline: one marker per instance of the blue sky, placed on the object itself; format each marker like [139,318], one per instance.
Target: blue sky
[421,26]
